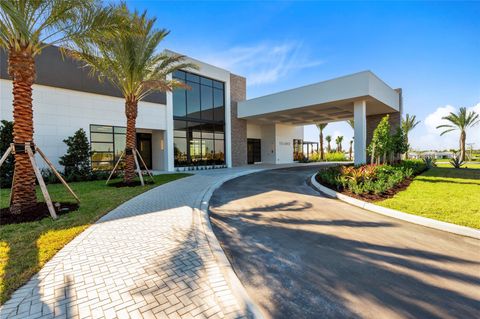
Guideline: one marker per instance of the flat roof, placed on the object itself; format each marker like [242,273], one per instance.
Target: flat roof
[325,101]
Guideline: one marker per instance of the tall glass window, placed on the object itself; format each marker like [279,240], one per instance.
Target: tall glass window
[107,144]
[199,121]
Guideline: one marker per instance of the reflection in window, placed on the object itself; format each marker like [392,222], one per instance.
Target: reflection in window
[199,120]
[106,143]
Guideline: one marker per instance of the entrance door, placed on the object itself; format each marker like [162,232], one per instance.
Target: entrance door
[254,151]
[144,146]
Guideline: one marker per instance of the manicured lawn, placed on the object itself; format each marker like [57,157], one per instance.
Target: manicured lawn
[25,248]
[448,165]
[446,194]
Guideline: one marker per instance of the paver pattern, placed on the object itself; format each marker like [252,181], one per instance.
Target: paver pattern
[148,258]
[303,255]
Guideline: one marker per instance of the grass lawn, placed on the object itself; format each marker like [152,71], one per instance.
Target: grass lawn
[476,165]
[446,194]
[25,248]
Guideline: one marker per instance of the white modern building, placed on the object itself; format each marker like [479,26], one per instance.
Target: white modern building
[211,124]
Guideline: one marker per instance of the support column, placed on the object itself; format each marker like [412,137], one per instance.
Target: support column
[168,134]
[360,132]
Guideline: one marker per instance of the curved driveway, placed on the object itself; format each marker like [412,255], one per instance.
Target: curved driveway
[302,255]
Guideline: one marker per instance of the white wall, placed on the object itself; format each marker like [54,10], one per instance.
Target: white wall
[58,113]
[276,141]
[254,131]
[284,135]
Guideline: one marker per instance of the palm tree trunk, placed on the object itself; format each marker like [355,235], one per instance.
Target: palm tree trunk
[322,155]
[463,137]
[406,140]
[21,67]
[131,107]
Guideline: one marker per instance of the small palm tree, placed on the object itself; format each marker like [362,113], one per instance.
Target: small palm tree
[321,127]
[350,151]
[26,28]
[131,63]
[408,124]
[328,138]
[339,140]
[460,121]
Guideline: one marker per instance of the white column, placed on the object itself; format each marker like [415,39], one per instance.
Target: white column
[168,135]
[360,133]
[228,125]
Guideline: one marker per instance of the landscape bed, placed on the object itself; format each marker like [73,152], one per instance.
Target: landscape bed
[371,182]
[26,247]
[447,194]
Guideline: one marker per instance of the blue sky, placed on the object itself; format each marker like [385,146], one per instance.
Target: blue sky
[430,49]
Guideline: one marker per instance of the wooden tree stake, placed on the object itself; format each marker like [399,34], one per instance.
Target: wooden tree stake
[139,171]
[5,155]
[43,187]
[115,167]
[145,165]
[57,173]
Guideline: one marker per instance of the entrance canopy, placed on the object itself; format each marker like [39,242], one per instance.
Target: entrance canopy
[322,102]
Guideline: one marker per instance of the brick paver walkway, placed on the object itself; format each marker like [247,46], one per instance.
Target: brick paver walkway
[148,258]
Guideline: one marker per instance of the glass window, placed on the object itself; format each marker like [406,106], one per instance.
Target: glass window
[101,128]
[207,102]
[102,147]
[120,144]
[179,103]
[101,137]
[179,75]
[180,151]
[193,100]
[218,84]
[219,156]
[206,81]
[193,77]
[199,141]
[120,129]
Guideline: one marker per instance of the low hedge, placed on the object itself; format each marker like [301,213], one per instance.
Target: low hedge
[370,179]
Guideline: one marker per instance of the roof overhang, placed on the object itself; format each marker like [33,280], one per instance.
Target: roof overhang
[322,102]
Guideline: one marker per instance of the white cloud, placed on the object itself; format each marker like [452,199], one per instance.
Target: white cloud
[263,63]
[432,139]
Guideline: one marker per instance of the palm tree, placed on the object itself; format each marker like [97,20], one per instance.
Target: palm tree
[351,123]
[460,121]
[339,140]
[131,63]
[26,28]
[408,124]
[328,138]
[321,127]
[350,151]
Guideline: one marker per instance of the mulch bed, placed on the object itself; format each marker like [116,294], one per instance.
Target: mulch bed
[37,212]
[371,197]
[132,184]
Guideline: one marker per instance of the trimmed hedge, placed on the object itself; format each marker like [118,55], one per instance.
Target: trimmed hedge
[370,179]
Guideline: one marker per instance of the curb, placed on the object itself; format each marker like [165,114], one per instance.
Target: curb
[414,219]
[230,276]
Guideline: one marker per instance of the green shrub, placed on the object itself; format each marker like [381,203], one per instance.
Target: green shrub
[77,159]
[335,157]
[370,179]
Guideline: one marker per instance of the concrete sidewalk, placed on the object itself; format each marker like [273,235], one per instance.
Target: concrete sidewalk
[148,258]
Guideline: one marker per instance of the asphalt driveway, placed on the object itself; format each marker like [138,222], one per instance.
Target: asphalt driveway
[302,255]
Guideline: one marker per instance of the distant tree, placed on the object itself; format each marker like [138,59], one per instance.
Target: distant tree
[328,138]
[460,121]
[339,141]
[408,124]
[350,151]
[77,159]
[6,137]
[321,127]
